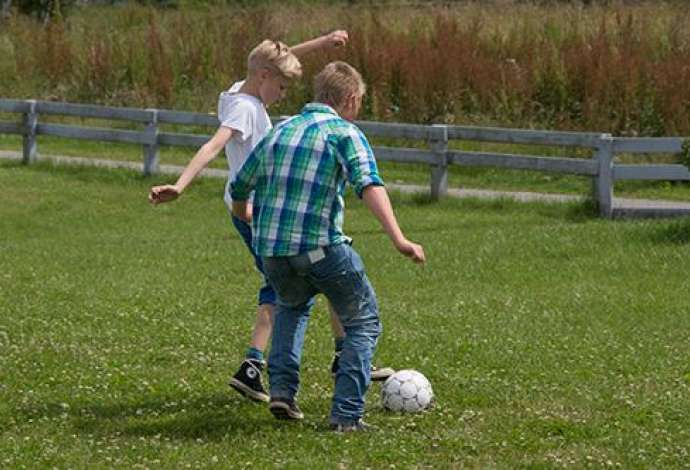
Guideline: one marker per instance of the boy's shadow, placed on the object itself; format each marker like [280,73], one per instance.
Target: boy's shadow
[215,417]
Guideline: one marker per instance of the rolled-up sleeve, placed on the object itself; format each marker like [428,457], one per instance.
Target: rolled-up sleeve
[358,158]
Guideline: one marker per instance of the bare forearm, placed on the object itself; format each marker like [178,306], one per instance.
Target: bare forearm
[306,47]
[203,156]
[331,40]
[170,192]
[200,161]
[376,199]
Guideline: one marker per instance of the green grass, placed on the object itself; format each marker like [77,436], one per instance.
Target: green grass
[551,338]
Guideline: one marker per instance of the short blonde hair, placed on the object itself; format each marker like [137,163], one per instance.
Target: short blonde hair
[275,56]
[336,82]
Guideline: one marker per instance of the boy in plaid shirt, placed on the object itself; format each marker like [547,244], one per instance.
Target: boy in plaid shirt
[298,173]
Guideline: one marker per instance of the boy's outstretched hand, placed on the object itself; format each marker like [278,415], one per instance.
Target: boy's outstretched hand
[164,193]
[412,250]
[336,38]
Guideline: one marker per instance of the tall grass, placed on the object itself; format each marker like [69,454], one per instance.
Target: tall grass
[622,68]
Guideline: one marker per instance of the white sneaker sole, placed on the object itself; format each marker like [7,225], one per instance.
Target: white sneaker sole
[282,411]
[379,375]
[248,392]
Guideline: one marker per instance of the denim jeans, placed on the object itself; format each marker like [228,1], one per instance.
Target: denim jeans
[266,293]
[340,276]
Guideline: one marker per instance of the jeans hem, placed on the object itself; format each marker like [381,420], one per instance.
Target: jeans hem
[344,421]
[282,396]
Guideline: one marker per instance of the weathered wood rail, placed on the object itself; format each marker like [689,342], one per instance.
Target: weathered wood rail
[601,168]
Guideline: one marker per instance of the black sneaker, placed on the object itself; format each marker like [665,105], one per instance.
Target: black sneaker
[377,374]
[283,408]
[248,381]
[357,426]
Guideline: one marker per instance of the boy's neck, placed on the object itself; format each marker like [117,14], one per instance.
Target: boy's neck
[251,87]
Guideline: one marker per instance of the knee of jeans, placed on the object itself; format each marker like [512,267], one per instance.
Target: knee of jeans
[361,312]
[365,334]
[367,320]
[299,306]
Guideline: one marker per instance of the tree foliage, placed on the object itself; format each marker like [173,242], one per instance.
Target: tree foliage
[43,9]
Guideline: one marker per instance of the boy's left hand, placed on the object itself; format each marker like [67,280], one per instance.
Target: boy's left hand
[336,38]
[164,193]
[242,210]
[411,250]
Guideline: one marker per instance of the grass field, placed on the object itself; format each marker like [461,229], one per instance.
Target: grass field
[551,338]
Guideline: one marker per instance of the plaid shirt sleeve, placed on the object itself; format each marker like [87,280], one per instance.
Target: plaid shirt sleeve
[358,158]
[246,178]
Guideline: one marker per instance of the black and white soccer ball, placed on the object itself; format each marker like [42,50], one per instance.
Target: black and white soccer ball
[407,391]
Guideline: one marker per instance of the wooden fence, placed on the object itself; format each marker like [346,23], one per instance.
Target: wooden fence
[601,168]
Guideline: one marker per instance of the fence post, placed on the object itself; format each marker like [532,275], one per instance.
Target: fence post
[29,143]
[151,150]
[602,187]
[439,169]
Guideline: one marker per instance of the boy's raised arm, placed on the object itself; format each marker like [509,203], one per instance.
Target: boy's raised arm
[327,41]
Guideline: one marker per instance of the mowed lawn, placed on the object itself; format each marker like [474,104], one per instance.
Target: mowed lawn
[551,338]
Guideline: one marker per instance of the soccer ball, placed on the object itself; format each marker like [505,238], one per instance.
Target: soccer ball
[406,390]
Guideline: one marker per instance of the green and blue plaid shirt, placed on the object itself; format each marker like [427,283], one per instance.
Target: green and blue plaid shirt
[298,173]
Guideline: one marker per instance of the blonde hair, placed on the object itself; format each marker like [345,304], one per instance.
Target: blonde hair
[336,82]
[275,56]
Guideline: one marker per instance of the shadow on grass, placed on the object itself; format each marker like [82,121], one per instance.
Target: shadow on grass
[674,233]
[213,418]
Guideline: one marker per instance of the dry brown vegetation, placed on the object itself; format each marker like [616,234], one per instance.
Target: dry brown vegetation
[618,68]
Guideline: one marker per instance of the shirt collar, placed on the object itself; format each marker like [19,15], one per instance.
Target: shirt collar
[318,108]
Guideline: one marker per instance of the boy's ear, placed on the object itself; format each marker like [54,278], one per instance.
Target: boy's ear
[264,74]
[351,101]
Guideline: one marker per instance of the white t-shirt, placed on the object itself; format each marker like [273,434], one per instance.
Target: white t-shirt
[246,115]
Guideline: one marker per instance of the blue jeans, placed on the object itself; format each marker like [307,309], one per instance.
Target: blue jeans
[266,293]
[340,276]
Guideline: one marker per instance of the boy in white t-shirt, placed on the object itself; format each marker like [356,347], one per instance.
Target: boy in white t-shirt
[243,123]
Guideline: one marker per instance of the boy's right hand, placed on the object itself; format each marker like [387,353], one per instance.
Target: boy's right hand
[412,250]
[164,193]
[336,39]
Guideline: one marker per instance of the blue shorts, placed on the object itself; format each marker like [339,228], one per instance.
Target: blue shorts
[266,293]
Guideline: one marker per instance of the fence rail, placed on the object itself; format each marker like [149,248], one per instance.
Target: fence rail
[524,136]
[651,172]
[573,166]
[601,167]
